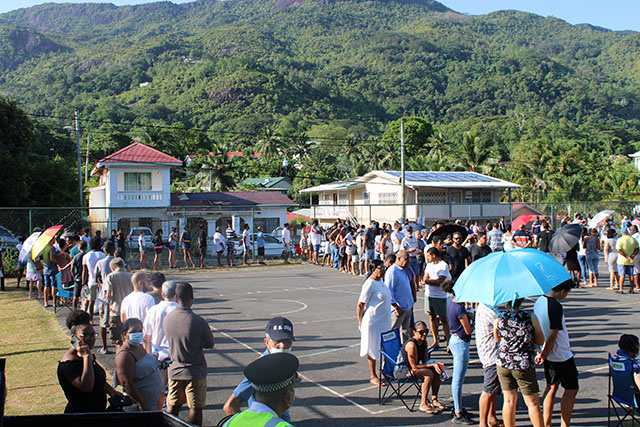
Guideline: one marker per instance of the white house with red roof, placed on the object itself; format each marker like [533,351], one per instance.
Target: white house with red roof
[134,190]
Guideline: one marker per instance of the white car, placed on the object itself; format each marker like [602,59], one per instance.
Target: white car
[132,240]
[272,246]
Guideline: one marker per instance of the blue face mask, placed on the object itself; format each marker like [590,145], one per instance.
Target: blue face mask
[135,338]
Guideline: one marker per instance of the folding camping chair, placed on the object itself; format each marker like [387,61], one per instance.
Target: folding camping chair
[622,399]
[64,295]
[391,364]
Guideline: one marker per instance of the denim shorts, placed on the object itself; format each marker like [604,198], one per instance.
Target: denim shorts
[627,270]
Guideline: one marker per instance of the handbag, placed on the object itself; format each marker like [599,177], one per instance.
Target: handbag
[38,264]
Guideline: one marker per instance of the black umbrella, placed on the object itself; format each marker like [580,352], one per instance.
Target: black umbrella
[565,238]
[446,230]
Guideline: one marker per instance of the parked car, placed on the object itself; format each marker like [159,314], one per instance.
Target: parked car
[272,246]
[133,237]
[7,239]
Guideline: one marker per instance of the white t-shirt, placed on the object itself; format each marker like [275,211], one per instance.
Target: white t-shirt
[219,241]
[86,239]
[137,304]
[90,260]
[550,314]
[409,243]
[141,243]
[246,238]
[286,236]
[316,237]
[434,271]
[153,326]
[397,235]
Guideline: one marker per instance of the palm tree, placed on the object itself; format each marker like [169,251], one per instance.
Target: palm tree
[214,170]
[269,146]
[474,151]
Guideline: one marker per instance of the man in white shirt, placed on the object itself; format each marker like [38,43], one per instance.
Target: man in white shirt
[410,244]
[286,242]
[142,248]
[219,244]
[435,302]
[102,270]
[246,244]
[396,237]
[89,263]
[316,241]
[138,302]
[155,340]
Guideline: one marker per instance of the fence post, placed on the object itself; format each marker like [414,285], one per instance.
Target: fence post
[314,211]
[30,222]
[370,217]
[253,228]
[553,218]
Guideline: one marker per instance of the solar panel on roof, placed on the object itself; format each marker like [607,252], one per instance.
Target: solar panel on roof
[435,176]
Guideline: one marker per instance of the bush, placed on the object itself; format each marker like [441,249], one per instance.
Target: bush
[10,262]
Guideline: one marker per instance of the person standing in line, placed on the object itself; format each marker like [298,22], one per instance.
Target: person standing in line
[316,241]
[611,258]
[172,244]
[633,230]
[103,268]
[435,300]
[202,244]
[50,264]
[507,240]
[89,263]
[461,331]
[138,302]
[260,245]
[374,316]
[156,280]
[121,241]
[402,301]
[556,355]
[480,249]
[185,239]
[246,244]
[304,243]
[521,238]
[278,339]
[494,238]
[410,245]
[544,237]
[396,237]
[76,271]
[627,248]
[459,257]
[592,246]
[230,235]
[488,353]
[142,248]
[286,242]
[117,286]
[219,243]
[369,243]
[188,335]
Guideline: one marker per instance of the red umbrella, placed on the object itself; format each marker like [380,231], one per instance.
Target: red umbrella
[43,240]
[521,220]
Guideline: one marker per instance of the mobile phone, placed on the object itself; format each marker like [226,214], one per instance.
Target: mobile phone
[74,341]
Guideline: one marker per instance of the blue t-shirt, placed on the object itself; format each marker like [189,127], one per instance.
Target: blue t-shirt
[398,283]
[454,312]
[244,391]
[260,239]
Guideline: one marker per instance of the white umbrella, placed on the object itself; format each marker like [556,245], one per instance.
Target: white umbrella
[27,245]
[599,218]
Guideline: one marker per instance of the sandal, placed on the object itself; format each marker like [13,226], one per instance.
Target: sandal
[437,405]
[430,410]
[376,381]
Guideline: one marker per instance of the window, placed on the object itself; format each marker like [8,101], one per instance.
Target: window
[326,199]
[366,198]
[481,196]
[137,181]
[432,197]
[390,198]
[267,224]
[342,198]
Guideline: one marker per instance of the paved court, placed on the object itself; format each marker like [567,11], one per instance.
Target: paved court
[321,304]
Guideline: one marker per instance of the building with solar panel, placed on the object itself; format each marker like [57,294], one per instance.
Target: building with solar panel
[429,195]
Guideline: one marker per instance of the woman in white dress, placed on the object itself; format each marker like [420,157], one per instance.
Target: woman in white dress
[374,316]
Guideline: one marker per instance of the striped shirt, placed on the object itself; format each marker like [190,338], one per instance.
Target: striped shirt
[485,342]
[494,239]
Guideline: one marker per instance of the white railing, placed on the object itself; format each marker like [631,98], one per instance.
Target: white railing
[140,196]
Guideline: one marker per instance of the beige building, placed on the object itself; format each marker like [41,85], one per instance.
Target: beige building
[429,195]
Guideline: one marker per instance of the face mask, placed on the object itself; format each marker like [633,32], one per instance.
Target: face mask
[293,398]
[275,350]
[135,338]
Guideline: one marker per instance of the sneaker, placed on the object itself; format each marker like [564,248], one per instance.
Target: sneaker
[463,420]
[304,262]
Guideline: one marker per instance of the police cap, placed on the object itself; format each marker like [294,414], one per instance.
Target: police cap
[272,372]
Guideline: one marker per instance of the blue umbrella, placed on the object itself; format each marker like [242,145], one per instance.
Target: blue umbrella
[505,276]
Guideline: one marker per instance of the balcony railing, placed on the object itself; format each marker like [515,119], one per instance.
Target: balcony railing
[139,196]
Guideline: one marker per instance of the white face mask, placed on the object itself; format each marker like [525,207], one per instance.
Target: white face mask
[274,350]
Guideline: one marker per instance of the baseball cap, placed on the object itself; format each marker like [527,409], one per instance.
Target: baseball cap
[280,328]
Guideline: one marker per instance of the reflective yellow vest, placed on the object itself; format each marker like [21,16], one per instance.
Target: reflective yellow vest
[255,419]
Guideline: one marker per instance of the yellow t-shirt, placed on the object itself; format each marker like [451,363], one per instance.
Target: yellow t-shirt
[627,245]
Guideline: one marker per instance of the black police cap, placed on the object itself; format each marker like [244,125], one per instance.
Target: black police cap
[272,372]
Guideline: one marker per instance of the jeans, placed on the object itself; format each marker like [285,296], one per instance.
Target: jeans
[460,351]
[582,259]
[415,266]
[49,277]
[592,263]
[335,255]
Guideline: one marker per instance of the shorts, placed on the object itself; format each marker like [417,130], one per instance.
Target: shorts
[220,252]
[436,306]
[261,251]
[142,250]
[355,257]
[202,250]
[50,280]
[172,247]
[316,248]
[192,392]
[491,383]
[115,330]
[77,291]
[186,246]
[230,248]
[627,270]
[158,250]
[33,276]
[103,311]
[563,373]
[303,244]
[512,379]
[93,292]
[286,250]
[369,254]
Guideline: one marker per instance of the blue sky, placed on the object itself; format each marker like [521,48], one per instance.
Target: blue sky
[612,14]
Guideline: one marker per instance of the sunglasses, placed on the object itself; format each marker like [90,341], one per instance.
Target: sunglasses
[422,332]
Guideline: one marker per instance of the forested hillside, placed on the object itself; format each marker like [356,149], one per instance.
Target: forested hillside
[324,83]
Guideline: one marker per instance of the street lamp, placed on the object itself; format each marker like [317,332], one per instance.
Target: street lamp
[77,132]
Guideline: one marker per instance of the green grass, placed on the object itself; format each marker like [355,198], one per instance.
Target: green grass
[32,341]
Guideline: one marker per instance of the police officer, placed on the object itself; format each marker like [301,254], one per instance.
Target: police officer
[278,339]
[273,378]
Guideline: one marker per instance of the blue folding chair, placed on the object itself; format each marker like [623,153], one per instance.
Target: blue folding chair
[622,394]
[390,364]
[64,294]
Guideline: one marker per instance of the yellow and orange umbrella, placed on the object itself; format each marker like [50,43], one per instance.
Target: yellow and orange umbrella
[43,240]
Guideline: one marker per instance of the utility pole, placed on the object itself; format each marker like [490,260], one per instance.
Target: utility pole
[404,205]
[86,164]
[79,158]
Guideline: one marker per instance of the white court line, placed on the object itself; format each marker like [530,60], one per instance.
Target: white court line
[304,306]
[601,368]
[306,322]
[328,351]
[360,390]
[325,388]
